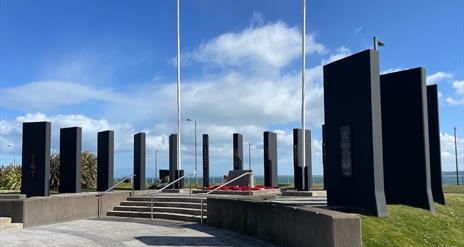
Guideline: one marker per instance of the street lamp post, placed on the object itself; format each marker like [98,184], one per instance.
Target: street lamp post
[14,153]
[249,156]
[195,145]
[156,166]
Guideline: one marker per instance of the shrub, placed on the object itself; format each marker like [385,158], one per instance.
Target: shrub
[10,177]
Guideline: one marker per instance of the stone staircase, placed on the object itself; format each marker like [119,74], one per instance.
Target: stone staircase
[6,225]
[171,207]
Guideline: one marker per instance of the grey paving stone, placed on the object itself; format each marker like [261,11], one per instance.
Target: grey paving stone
[126,233]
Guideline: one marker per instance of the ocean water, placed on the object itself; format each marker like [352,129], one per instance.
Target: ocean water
[317,179]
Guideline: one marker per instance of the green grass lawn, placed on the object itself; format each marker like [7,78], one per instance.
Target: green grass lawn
[407,226]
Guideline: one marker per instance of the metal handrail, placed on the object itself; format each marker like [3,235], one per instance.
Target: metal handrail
[110,189]
[116,185]
[151,194]
[224,184]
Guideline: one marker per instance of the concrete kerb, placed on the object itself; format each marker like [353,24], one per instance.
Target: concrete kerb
[57,208]
[285,225]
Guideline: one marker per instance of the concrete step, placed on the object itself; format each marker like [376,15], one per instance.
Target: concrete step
[11,227]
[164,204]
[5,221]
[176,210]
[157,215]
[166,199]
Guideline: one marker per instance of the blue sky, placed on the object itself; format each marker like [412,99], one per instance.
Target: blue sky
[110,65]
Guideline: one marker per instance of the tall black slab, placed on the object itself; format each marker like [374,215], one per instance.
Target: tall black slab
[238,151]
[139,161]
[302,174]
[324,156]
[35,169]
[270,159]
[353,134]
[174,172]
[205,160]
[70,160]
[105,160]
[406,156]
[173,165]
[434,144]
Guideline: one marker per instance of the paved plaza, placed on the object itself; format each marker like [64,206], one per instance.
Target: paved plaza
[116,232]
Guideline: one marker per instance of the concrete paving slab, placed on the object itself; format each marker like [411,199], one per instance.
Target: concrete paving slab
[118,232]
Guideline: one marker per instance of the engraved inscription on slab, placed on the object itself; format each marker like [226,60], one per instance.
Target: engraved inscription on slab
[345,147]
[32,168]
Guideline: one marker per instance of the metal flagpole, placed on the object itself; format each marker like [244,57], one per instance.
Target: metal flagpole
[456,155]
[179,156]
[303,66]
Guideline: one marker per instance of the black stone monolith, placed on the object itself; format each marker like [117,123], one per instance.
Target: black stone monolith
[205,161]
[70,160]
[302,174]
[324,157]
[139,161]
[270,159]
[174,172]
[238,151]
[35,169]
[406,156]
[434,144]
[353,134]
[105,160]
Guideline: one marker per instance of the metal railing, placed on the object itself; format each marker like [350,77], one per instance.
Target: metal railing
[217,188]
[158,191]
[99,195]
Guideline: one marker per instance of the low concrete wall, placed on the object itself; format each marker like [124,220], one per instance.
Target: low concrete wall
[286,225]
[37,211]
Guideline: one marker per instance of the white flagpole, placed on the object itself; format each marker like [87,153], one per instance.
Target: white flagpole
[179,161]
[303,66]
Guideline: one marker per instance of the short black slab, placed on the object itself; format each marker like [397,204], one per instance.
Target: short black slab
[70,160]
[35,169]
[205,160]
[105,160]
[270,159]
[139,161]
[174,172]
[302,174]
[406,156]
[238,151]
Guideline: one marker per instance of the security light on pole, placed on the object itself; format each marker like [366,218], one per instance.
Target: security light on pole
[377,44]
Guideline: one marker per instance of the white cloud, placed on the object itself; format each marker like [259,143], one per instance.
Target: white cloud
[257,19]
[458,87]
[230,100]
[47,95]
[448,151]
[392,70]
[272,46]
[438,77]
